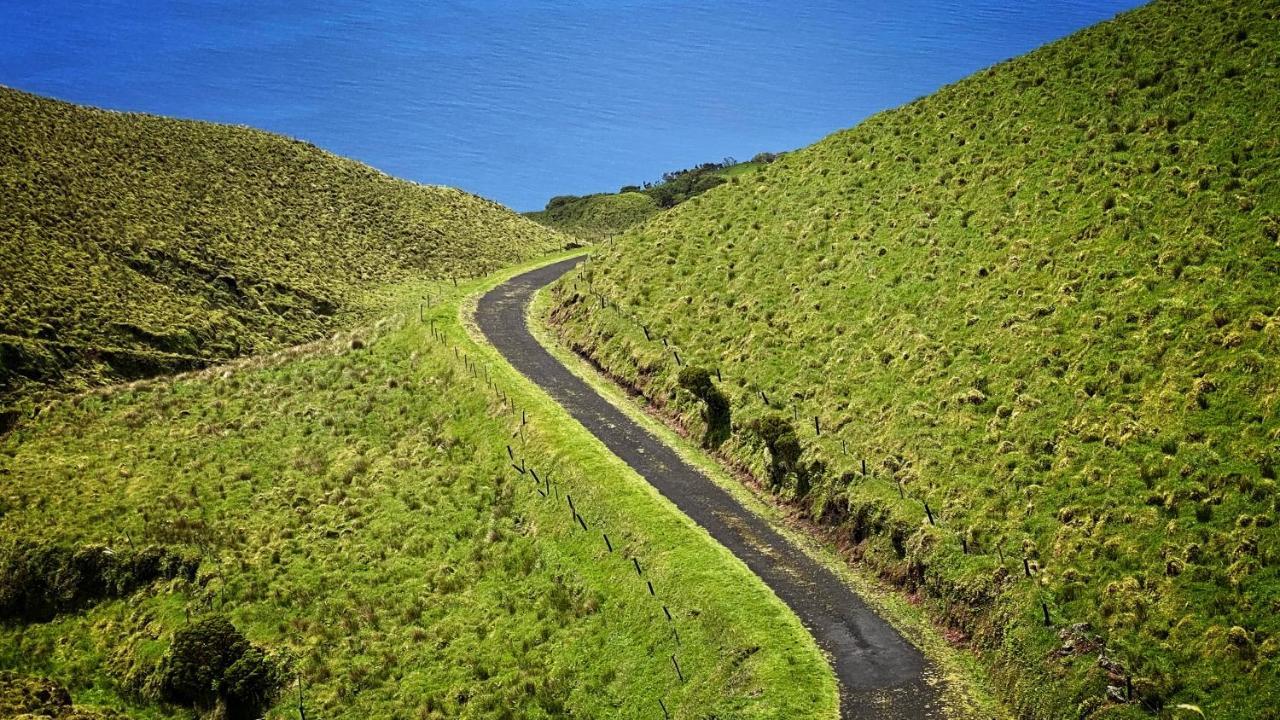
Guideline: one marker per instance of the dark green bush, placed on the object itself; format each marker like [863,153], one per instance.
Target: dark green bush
[780,439]
[198,659]
[697,381]
[251,684]
[716,412]
[210,663]
[560,200]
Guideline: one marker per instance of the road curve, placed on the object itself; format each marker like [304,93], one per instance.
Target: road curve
[880,674]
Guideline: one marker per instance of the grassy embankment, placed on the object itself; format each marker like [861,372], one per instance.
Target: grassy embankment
[353,507]
[1041,305]
[967,688]
[132,245]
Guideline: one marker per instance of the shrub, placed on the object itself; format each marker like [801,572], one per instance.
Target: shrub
[784,447]
[697,381]
[211,663]
[197,660]
[251,684]
[716,411]
[560,200]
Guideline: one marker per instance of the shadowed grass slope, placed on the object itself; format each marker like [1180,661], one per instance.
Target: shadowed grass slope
[1043,306]
[133,244]
[356,513]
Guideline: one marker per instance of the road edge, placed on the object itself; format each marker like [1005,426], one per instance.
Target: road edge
[467,301]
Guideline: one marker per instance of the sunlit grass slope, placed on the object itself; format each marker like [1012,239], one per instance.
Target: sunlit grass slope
[356,513]
[601,216]
[1043,306]
[598,217]
[133,244]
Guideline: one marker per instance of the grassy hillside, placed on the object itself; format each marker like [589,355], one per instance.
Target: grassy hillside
[594,218]
[133,244]
[1043,306]
[601,216]
[354,512]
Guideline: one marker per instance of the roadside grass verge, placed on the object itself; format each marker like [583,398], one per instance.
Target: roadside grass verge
[966,681]
[355,512]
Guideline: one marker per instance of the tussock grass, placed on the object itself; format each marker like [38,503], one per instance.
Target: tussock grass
[356,511]
[1044,302]
[134,245]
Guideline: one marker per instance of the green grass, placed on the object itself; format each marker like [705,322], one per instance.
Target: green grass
[595,218]
[355,509]
[132,245]
[600,217]
[1043,301]
[967,692]
[740,169]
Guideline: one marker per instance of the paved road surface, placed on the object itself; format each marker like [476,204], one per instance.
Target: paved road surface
[881,675]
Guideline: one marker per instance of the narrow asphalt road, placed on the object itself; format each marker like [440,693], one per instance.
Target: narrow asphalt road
[881,675]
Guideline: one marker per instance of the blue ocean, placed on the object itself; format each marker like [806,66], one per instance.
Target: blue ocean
[518,101]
